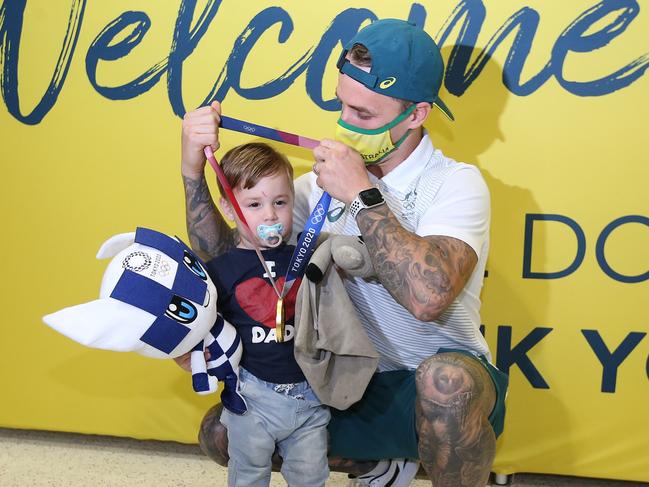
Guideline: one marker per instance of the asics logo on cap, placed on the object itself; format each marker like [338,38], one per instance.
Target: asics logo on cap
[387,82]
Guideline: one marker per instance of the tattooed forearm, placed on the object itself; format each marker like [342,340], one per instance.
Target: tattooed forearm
[424,274]
[209,234]
[456,442]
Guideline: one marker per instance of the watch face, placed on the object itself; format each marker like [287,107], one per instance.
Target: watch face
[371,197]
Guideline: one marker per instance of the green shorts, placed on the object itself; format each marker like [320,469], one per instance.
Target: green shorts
[382,424]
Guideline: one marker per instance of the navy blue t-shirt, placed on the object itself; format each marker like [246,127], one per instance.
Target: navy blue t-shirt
[248,301]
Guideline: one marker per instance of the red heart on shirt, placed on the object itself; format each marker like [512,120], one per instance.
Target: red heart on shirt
[258,299]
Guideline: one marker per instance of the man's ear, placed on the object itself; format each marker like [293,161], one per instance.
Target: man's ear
[226,208]
[419,115]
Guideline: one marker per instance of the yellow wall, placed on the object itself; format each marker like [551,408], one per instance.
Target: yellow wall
[89,163]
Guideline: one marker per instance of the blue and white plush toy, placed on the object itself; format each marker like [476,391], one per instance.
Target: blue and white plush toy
[157,300]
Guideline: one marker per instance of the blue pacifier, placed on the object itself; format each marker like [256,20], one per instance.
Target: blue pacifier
[271,234]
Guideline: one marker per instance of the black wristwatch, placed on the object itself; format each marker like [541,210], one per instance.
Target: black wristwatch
[368,198]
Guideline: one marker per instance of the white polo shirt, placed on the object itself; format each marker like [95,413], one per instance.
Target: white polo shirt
[430,194]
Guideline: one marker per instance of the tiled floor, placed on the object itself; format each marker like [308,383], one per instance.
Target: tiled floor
[39,459]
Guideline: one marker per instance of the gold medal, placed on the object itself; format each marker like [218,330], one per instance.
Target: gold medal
[279,320]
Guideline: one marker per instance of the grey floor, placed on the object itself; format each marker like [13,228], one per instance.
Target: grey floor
[41,458]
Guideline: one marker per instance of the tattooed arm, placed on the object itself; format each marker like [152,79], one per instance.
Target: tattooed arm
[423,274]
[209,234]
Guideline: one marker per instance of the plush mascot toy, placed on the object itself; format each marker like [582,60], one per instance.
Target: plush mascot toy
[156,299]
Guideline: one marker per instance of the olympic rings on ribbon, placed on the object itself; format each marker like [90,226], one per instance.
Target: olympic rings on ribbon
[318,214]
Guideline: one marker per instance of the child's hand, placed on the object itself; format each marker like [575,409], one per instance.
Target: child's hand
[200,128]
[185,360]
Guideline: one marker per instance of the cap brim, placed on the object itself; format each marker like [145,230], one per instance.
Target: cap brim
[444,109]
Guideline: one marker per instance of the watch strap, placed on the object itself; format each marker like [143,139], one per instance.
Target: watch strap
[358,205]
[355,206]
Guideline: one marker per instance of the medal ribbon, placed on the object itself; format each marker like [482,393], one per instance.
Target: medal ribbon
[267,133]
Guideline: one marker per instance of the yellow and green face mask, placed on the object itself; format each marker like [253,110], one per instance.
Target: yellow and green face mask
[373,145]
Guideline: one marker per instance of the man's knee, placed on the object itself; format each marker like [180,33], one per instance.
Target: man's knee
[453,387]
[213,436]
[455,396]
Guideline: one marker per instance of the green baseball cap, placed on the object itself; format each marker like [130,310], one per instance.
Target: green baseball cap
[406,62]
